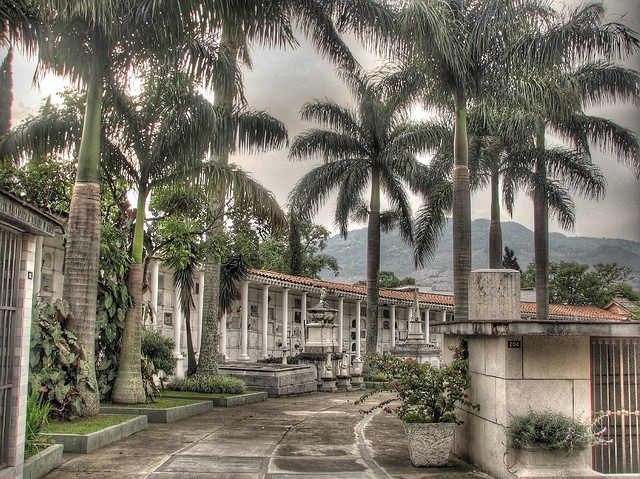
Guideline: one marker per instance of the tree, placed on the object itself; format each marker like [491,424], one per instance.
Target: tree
[388,279]
[510,261]
[300,254]
[370,147]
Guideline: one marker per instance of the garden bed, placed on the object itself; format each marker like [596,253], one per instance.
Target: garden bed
[85,443]
[220,400]
[43,462]
[156,413]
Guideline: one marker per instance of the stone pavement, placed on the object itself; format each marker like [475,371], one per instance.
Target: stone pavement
[320,436]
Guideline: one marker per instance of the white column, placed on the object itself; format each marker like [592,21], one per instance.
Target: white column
[392,319]
[358,350]
[200,308]
[244,326]
[177,334]
[37,267]
[426,325]
[222,346]
[341,324]
[265,321]
[303,319]
[285,318]
[155,266]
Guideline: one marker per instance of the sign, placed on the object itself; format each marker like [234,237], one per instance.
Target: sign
[514,344]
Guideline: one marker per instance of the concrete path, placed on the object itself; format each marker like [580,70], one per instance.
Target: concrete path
[320,436]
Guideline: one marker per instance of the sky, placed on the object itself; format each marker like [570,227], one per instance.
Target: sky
[282,81]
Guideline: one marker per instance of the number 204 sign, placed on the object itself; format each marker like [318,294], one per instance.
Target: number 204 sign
[514,344]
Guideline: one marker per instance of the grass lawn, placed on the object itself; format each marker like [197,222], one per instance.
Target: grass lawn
[158,403]
[202,395]
[85,425]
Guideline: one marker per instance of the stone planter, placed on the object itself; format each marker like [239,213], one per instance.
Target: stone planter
[44,462]
[429,443]
[539,462]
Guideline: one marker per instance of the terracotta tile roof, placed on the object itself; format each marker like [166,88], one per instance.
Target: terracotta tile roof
[556,311]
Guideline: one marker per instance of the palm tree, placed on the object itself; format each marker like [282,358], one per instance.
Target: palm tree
[576,50]
[19,24]
[372,147]
[322,23]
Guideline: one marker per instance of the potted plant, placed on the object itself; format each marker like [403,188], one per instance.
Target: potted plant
[550,440]
[425,399]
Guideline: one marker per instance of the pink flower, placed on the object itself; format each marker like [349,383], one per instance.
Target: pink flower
[397,387]
[387,409]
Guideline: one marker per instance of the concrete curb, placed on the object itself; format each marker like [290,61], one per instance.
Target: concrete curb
[164,415]
[86,443]
[44,462]
[227,401]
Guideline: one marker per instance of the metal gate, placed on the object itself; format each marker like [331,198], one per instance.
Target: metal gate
[614,387]
[10,246]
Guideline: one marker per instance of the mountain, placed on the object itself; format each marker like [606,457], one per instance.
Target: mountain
[396,256]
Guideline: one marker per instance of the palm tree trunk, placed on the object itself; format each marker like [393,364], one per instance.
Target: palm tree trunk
[373,264]
[191,353]
[83,240]
[128,388]
[461,212]
[541,234]
[495,229]
[208,360]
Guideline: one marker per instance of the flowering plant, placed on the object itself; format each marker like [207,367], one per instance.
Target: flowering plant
[426,394]
[557,432]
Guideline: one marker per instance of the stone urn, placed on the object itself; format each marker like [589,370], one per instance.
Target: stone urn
[429,443]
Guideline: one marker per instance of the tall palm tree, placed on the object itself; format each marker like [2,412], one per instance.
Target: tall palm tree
[19,24]
[454,52]
[576,51]
[322,23]
[372,147]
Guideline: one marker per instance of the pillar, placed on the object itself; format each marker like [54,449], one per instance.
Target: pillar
[392,319]
[265,321]
[244,325]
[341,324]
[358,348]
[200,308]
[177,334]
[303,319]
[426,326]
[37,267]
[285,319]
[356,372]
[155,266]
[222,346]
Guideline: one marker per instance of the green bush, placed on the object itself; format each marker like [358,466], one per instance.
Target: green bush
[553,431]
[209,384]
[37,419]
[158,350]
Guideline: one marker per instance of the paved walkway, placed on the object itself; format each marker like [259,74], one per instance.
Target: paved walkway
[320,436]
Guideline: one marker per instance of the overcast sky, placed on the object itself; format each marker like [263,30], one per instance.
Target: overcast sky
[282,81]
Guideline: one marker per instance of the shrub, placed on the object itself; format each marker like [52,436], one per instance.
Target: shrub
[209,384]
[37,419]
[56,367]
[158,350]
[554,431]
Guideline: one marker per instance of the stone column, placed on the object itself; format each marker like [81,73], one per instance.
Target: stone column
[392,326]
[244,325]
[200,308]
[265,321]
[426,326]
[303,319]
[285,321]
[341,323]
[37,267]
[153,280]
[177,334]
[356,372]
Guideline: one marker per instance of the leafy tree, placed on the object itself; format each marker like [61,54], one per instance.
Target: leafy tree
[388,279]
[509,260]
[367,150]
[6,92]
[528,278]
[612,274]
[300,253]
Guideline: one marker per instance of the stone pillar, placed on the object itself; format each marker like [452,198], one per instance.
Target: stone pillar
[496,294]
[285,321]
[153,280]
[392,326]
[177,334]
[426,326]
[200,308]
[244,325]
[341,323]
[303,319]
[356,372]
[222,346]
[37,267]
[265,321]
